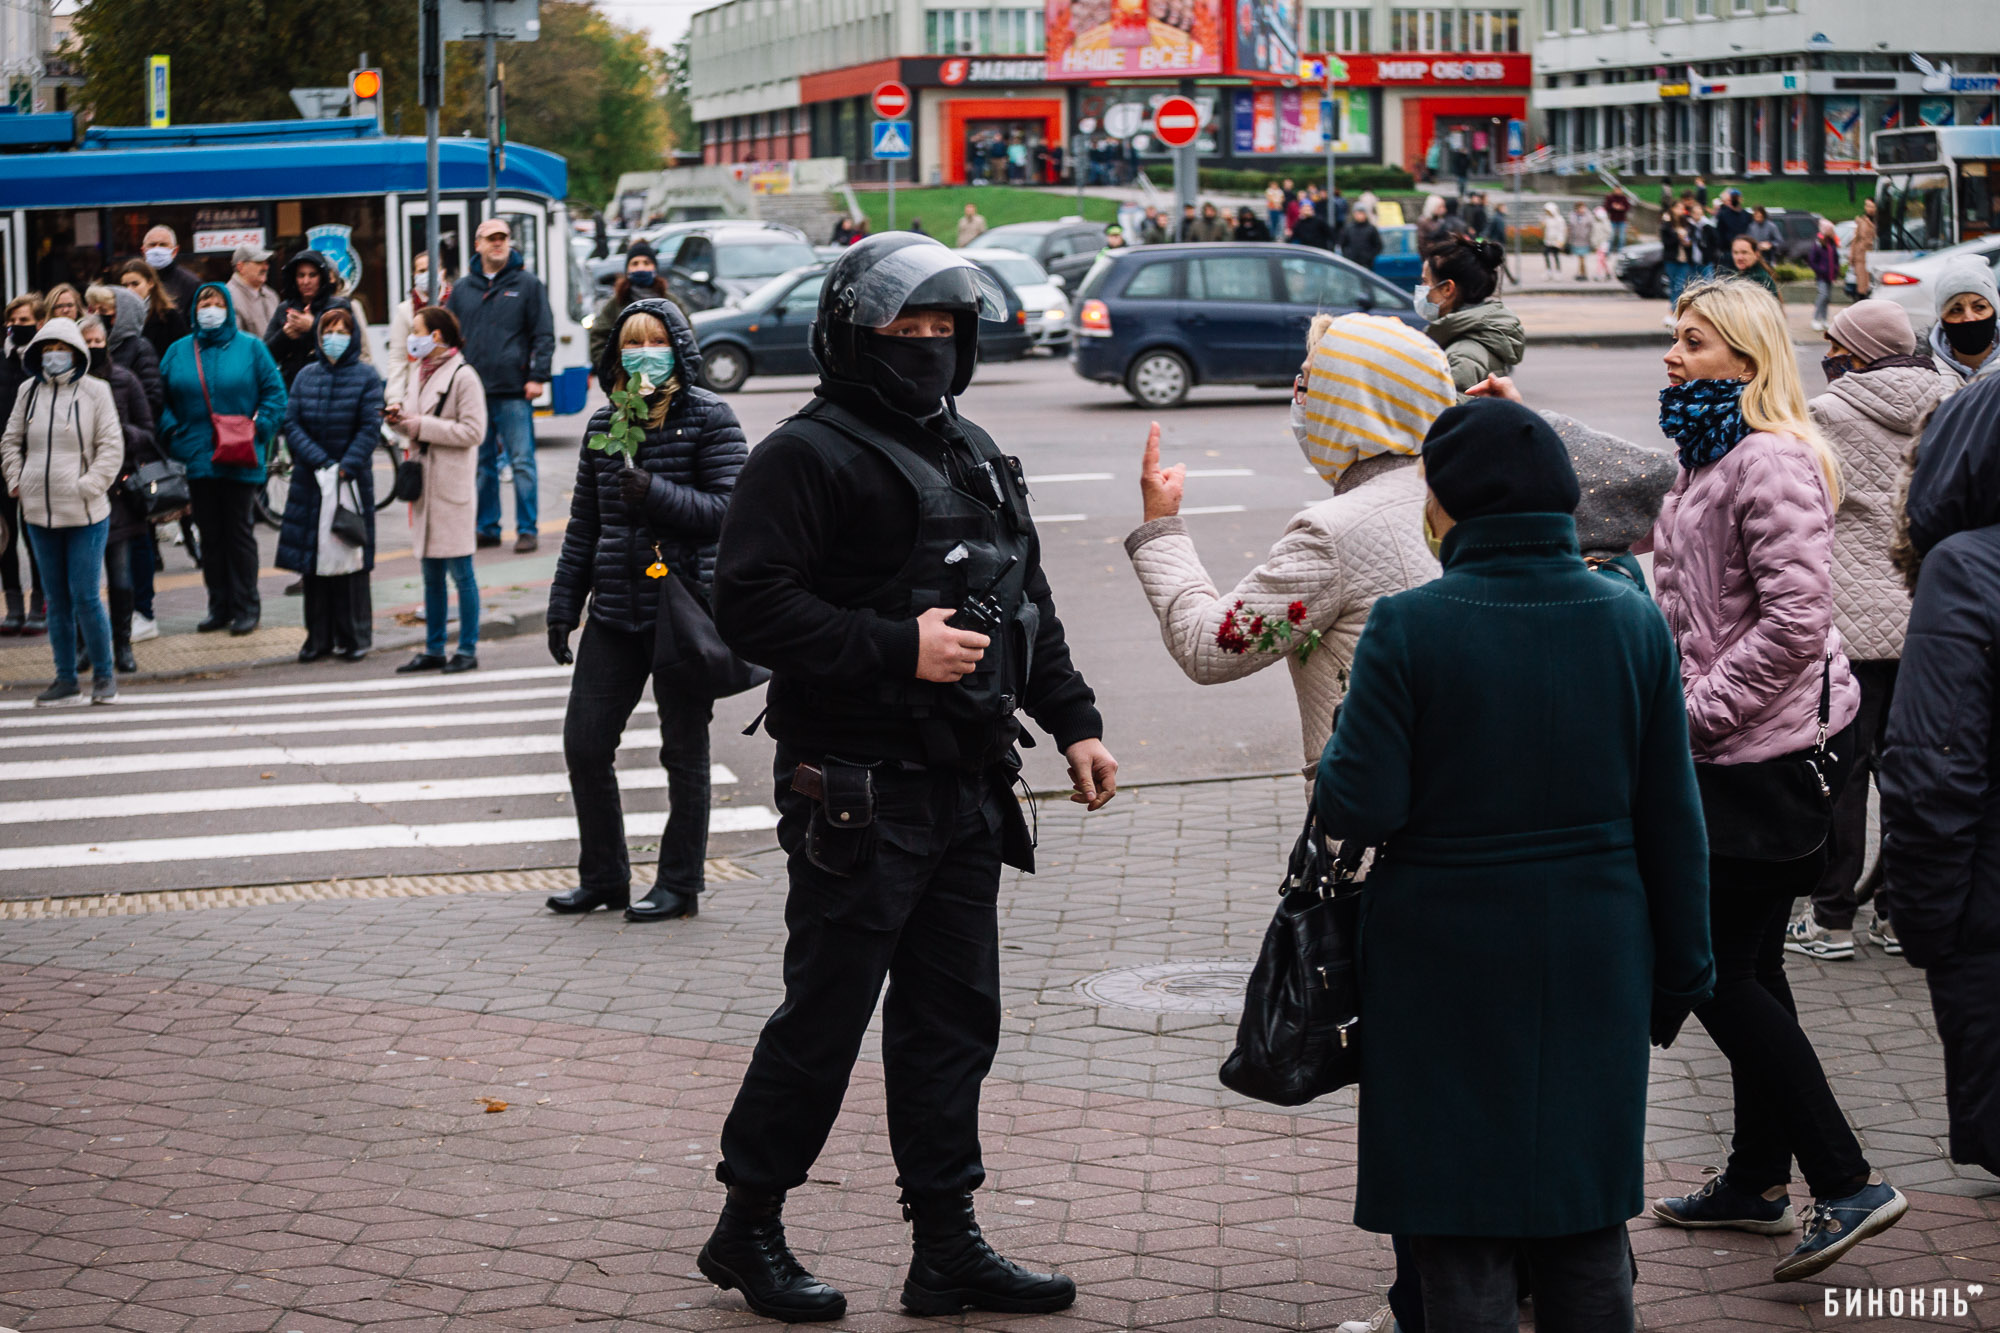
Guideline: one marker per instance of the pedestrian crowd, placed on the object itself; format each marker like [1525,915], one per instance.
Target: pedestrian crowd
[168,399]
[1592,797]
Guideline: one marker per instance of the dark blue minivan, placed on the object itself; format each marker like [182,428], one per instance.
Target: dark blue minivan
[1160,319]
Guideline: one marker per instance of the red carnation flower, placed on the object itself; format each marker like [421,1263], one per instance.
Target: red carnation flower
[1296,613]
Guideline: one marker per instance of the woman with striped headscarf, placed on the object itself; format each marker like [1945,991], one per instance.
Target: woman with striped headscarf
[1369,390]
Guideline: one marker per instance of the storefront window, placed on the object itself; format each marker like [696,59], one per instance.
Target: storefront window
[1342,30]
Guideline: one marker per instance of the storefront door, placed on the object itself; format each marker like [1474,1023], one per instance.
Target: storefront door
[996,139]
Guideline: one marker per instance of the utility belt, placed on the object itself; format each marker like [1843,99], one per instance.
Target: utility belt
[844,832]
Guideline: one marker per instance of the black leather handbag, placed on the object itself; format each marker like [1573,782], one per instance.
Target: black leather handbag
[1300,1035]
[1776,809]
[161,488]
[410,477]
[349,525]
[688,654]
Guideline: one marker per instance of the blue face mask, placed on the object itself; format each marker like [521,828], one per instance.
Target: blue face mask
[655,363]
[1705,417]
[335,345]
[642,277]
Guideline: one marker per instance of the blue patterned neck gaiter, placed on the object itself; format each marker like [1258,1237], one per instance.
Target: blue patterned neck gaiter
[1704,417]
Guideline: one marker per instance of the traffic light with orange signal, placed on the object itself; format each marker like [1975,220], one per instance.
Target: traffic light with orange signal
[364,93]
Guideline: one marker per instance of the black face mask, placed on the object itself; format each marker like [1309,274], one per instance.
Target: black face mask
[18,335]
[912,374]
[1970,337]
[641,277]
[100,362]
[1834,367]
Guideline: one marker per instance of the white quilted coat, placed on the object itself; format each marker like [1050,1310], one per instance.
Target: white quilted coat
[1365,541]
[1873,419]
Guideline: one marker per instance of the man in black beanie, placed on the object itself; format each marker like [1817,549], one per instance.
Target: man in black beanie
[1515,741]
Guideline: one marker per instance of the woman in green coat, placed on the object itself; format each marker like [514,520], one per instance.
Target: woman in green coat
[1515,744]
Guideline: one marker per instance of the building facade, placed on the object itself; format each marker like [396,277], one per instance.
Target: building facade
[1753,87]
[786,79]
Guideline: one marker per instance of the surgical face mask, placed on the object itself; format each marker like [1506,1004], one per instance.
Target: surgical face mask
[1969,337]
[642,277]
[57,361]
[210,316]
[159,256]
[1299,424]
[1420,300]
[422,345]
[1431,539]
[335,345]
[912,374]
[655,363]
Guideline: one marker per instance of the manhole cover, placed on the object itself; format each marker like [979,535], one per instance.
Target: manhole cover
[1213,986]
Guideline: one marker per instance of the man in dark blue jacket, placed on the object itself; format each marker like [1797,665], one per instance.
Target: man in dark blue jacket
[1940,772]
[510,335]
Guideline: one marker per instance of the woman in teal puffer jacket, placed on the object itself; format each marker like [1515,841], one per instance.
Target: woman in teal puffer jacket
[242,380]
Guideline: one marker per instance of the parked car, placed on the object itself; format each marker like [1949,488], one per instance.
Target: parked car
[769,332]
[714,263]
[1041,293]
[1160,319]
[1066,248]
[1910,282]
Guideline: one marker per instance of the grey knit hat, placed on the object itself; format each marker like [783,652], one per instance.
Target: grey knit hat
[1623,484]
[1968,275]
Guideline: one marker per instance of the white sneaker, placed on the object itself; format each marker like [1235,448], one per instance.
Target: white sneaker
[1382,1321]
[144,628]
[1882,935]
[1808,937]
[1819,326]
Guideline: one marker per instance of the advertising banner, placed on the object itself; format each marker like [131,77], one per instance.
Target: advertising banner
[1842,116]
[1267,37]
[1287,121]
[1095,39]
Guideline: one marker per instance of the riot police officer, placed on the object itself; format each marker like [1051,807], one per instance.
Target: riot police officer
[879,558]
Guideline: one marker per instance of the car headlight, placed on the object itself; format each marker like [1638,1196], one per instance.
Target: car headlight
[1055,314]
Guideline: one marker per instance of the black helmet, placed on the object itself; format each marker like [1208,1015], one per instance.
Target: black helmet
[878,278]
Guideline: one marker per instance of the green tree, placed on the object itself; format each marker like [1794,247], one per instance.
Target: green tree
[676,99]
[588,89]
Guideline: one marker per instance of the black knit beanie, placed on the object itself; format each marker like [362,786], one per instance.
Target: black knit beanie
[640,250]
[1490,456]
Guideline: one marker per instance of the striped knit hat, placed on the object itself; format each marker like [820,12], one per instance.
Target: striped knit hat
[1373,386]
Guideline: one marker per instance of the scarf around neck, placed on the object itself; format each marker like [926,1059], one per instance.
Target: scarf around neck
[1704,417]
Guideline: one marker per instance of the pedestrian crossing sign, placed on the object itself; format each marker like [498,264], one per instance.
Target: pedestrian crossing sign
[892,140]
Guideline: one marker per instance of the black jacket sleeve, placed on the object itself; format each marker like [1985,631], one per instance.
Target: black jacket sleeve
[146,365]
[1935,772]
[785,512]
[1058,698]
[694,513]
[579,549]
[541,322]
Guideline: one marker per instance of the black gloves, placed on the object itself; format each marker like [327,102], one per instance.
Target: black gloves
[559,644]
[635,483]
[1668,1015]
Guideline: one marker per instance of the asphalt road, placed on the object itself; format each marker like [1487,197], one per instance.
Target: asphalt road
[304,773]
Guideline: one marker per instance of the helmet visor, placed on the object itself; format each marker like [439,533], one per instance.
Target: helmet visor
[926,276]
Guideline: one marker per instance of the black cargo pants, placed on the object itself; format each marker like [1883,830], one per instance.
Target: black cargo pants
[919,911]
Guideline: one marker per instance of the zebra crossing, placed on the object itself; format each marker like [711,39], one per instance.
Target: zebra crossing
[178,787]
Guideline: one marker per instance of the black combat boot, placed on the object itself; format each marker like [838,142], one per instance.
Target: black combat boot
[585,899]
[747,1253]
[954,1268]
[121,630]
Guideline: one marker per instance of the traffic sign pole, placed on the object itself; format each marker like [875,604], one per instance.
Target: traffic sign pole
[1177,123]
[890,101]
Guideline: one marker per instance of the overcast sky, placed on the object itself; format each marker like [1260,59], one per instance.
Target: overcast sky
[664,20]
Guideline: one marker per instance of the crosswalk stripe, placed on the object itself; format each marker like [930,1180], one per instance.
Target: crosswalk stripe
[319,756]
[420,721]
[98,717]
[386,685]
[367,837]
[275,795]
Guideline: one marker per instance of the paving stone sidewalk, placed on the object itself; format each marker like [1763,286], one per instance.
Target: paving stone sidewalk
[291,1116]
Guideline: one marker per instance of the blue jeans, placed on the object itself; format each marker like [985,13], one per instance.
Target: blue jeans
[72,562]
[510,423]
[1617,236]
[1677,278]
[1274,218]
[437,605]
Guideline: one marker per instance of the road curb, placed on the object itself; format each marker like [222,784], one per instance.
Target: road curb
[504,625]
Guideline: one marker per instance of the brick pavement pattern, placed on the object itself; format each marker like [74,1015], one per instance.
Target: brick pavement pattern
[457,1112]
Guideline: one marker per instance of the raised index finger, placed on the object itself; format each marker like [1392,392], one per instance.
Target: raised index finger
[1151,463]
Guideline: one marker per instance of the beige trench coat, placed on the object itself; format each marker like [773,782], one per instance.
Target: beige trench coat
[446,413]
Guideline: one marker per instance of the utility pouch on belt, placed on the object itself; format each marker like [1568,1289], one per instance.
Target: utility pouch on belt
[842,832]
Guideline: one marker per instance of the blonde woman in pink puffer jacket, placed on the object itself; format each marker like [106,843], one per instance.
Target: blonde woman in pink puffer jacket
[1743,556]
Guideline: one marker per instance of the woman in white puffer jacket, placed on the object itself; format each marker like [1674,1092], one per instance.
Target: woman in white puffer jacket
[1369,391]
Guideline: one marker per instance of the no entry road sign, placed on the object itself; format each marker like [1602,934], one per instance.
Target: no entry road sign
[891,100]
[1176,121]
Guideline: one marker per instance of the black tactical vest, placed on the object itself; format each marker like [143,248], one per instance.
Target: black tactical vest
[973,549]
